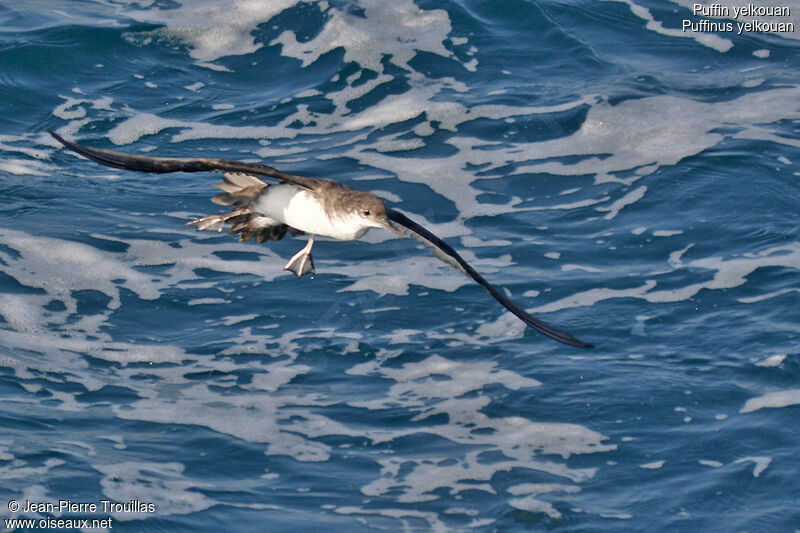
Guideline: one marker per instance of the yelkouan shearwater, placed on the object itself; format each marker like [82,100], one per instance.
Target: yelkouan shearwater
[315,206]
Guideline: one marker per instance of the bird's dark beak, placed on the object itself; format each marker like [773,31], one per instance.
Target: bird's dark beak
[387,225]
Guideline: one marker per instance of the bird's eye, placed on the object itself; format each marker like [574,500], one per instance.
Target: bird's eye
[367,212]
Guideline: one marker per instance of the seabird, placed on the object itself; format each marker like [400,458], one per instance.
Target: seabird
[315,206]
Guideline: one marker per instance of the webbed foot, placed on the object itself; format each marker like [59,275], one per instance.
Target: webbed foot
[301,263]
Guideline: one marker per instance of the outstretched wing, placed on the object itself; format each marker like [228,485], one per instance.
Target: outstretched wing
[161,165]
[445,252]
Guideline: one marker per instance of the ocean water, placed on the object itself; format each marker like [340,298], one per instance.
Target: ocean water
[627,181]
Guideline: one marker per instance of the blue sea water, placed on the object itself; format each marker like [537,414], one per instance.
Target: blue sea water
[629,182]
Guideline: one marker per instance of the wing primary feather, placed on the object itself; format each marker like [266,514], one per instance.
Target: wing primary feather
[161,165]
[446,253]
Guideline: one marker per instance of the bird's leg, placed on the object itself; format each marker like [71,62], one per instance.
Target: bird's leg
[301,263]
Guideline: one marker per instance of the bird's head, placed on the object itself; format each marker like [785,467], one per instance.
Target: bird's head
[370,211]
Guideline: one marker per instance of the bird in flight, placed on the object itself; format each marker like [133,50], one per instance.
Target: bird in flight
[315,206]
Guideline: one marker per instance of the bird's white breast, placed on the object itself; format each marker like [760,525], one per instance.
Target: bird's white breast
[299,209]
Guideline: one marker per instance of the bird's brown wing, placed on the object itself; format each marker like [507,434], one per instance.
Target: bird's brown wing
[161,165]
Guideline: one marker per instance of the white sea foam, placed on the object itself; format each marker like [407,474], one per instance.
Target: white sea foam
[729,273]
[534,505]
[470,241]
[118,440]
[25,167]
[712,40]
[753,82]
[396,277]
[4,455]
[57,270]
[364,38]
[615,207]
[210,28]
[461,379]
[61,268]
[583,268]
[164,483]
[632,132]
[19,469]
[761,463]
[440,386]
[7,144]
[231,320]
[408,518]
[767,296]
[208,301]
[675,258]
[72,107]
[772,360]
[772,400]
